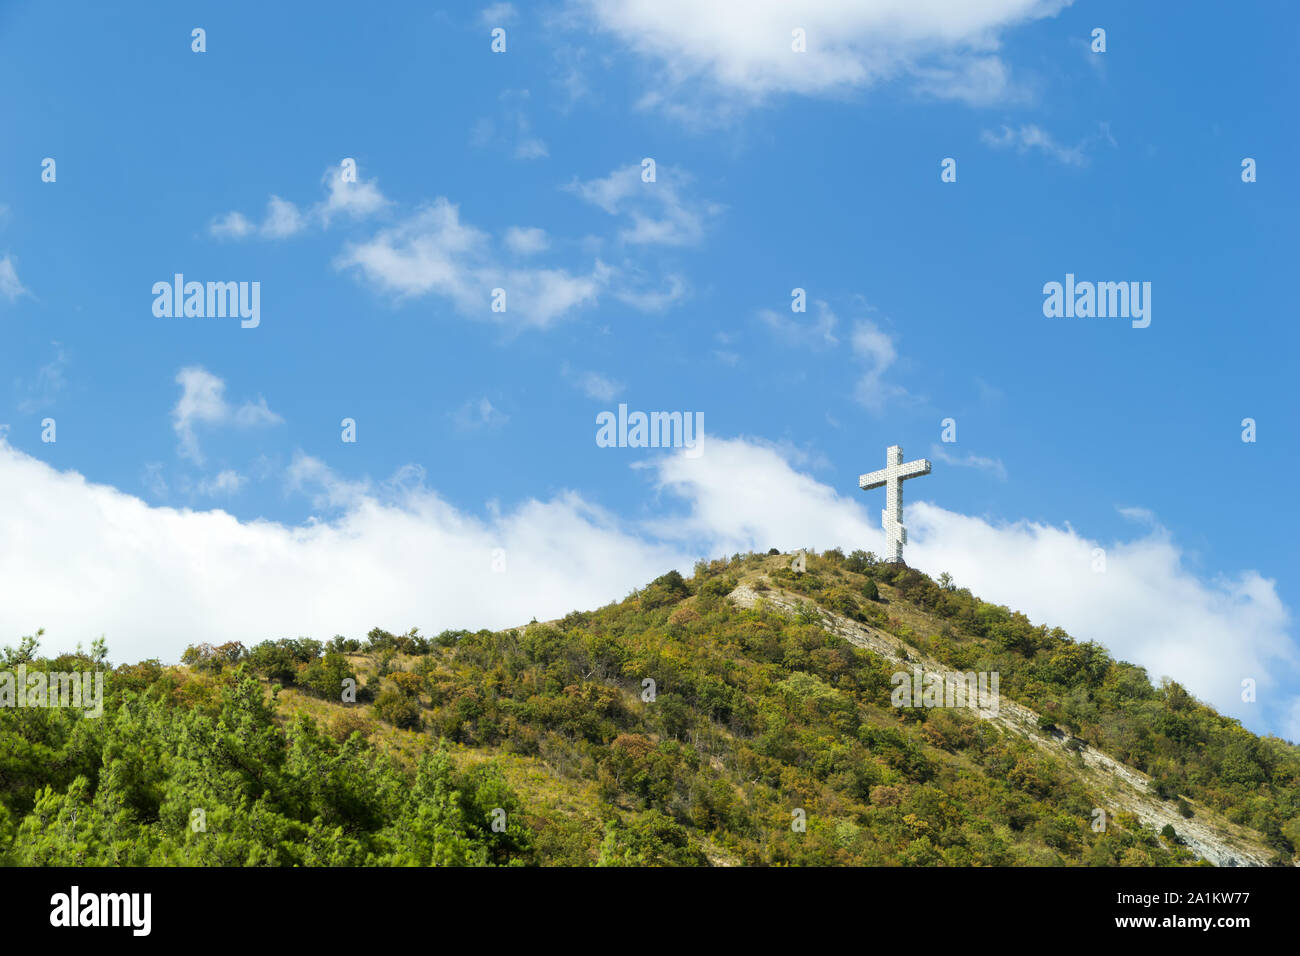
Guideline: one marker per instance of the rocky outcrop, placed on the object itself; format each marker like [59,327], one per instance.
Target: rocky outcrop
[1119,788]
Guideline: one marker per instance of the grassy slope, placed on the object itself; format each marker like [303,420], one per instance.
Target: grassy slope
[759,716]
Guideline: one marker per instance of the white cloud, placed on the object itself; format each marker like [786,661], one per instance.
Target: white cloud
[10,287]
[433,252]
[658,212]
[989,395]
[872,347]
[744,51]
[570,74]
[1096,61]
[482,133]
[531,148]
[497,14]
[354,199]
[233,225]
[632,291]
[875,348]
[598,387]
[514,132]
[282,219]
[311,476]
[156,579]
[1147,606]
[203,402]
[398,555]
[151,476]
[1143,516]
[992,465]
[797,329]
[225,483]
[974,80]
[50,380]
[526,241]
[1030,136]
[476,414]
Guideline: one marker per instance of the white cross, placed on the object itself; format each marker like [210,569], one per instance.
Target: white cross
[892,477]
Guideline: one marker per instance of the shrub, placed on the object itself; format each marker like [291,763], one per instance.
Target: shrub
[666,589]
[842,601]
[325,677]
[409,684]
[1164,788]
[719,586]
[396,708]
[452,638]
[205,657]
[345,723]
[343,645]
[138,676]
[860,562]
[274,662]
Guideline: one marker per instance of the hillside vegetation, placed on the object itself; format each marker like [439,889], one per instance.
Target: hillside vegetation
[676,727]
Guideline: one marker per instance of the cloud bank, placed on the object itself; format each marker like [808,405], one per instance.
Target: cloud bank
[86,559]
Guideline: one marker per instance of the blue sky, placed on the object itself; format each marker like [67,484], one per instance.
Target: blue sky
[775,170]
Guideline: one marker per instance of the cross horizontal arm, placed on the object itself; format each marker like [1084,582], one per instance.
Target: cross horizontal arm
[874,480]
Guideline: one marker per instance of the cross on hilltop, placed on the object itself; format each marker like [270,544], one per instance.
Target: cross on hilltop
[892,477]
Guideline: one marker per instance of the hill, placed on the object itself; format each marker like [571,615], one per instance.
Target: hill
[742,716]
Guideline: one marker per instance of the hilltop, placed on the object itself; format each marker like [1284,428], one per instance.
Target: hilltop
[741,716]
